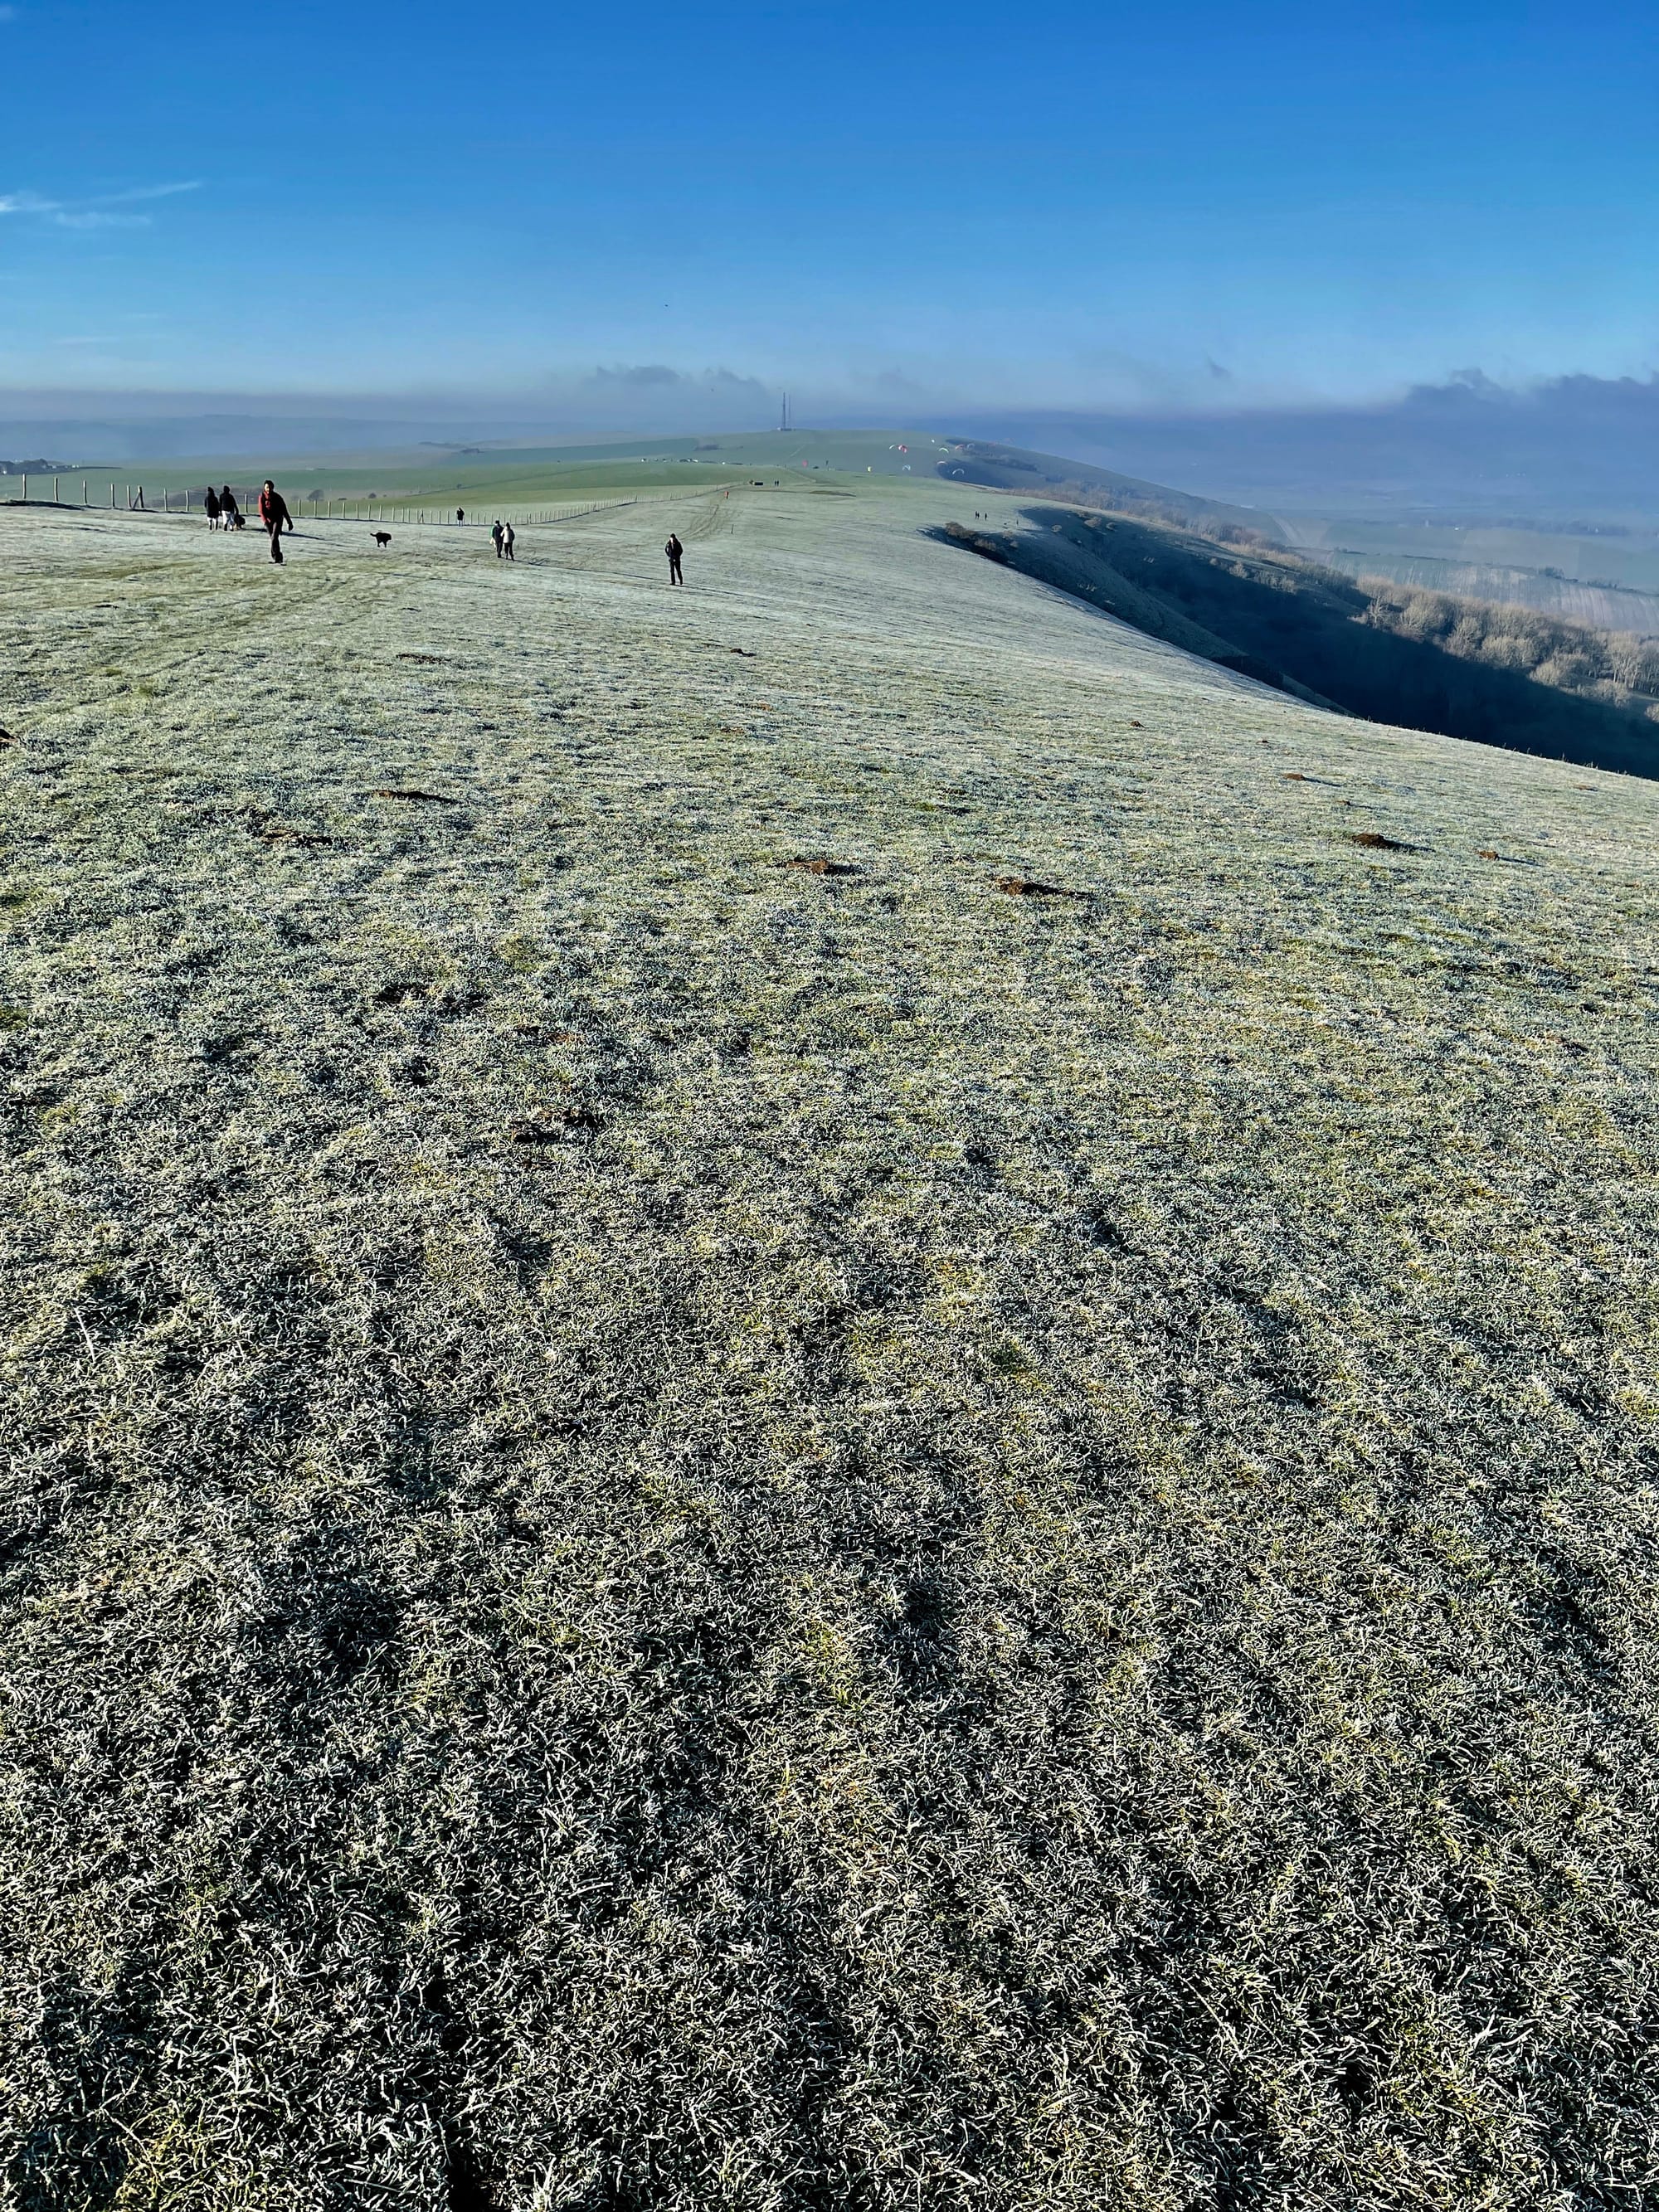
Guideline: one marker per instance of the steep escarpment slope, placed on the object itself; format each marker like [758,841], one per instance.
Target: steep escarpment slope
[821,1391]
[1426,661]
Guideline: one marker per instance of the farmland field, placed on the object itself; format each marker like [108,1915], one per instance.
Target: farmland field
[1609,580]
[826,1392]
[1601,606]
[516,477]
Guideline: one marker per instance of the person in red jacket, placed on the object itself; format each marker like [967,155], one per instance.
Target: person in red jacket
[273,512]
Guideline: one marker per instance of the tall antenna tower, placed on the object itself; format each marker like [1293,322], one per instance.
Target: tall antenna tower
[783,419]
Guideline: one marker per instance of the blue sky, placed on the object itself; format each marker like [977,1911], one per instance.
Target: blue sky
[884,206]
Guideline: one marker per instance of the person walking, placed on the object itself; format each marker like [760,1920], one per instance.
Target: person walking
[496,537]
[506,541]
[274,514]
[460,514]
[211,503]
[230,514]
[676,553]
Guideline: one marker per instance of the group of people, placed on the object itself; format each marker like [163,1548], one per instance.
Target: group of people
[222,512]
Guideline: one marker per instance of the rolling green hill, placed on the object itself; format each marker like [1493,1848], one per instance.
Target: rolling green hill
[535,476]
[516,479]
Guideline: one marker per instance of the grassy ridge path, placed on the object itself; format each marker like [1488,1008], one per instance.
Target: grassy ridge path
[702,1512]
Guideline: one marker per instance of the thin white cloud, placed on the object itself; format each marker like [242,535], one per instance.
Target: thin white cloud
[145,192]
[103,211]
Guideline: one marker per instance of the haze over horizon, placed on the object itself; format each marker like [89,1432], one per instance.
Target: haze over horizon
[1574,449]
[927,212]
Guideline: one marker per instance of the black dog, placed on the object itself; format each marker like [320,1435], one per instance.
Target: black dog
[383,538]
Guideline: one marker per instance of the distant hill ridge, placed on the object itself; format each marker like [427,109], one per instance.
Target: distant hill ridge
[1013,468]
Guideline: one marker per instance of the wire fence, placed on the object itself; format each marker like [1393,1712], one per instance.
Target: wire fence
[134,500]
